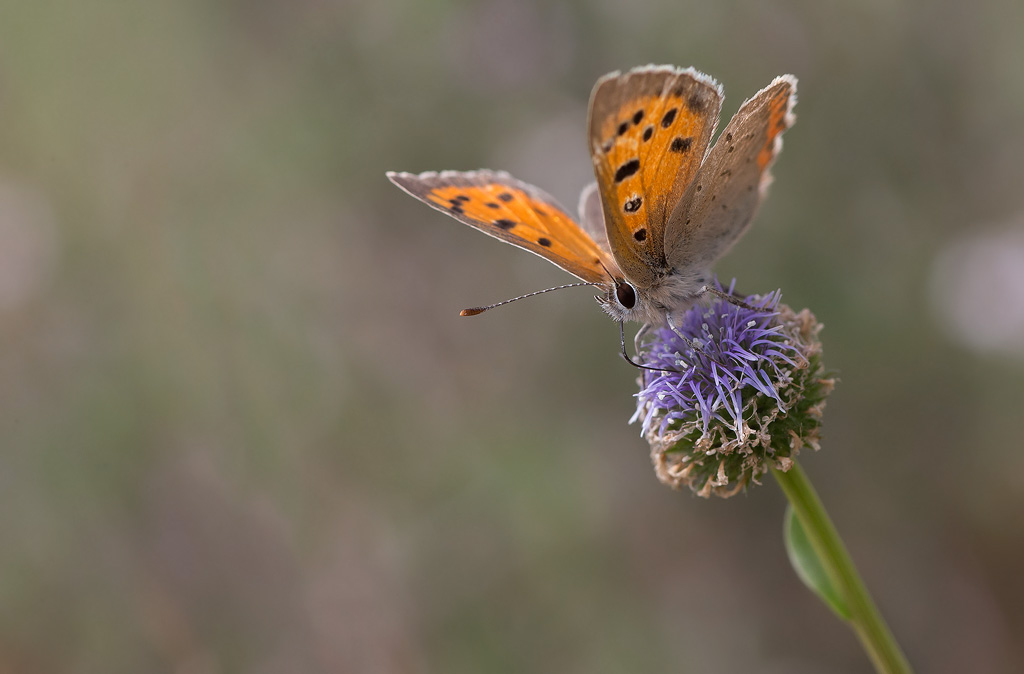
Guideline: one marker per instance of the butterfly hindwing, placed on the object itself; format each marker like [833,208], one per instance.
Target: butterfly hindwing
[515,212]
[649,130]
[592,216]
[720,204]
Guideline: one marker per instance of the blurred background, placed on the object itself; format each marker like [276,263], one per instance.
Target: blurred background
[243,428]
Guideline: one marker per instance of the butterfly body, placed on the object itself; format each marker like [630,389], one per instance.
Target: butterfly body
[666,204]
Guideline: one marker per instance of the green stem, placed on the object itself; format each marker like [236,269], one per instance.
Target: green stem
[865,619]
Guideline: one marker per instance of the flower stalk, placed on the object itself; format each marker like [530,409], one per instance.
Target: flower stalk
[864,618]
[735,390]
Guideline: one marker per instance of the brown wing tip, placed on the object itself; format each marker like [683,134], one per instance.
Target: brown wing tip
[670,70]
[403,180]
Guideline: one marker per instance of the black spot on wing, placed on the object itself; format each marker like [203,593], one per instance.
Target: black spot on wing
[637,116]
[544,241]
[681,144]
[669,117]
[505,196]
[640,234]
[623,127]
[633,205]
[695,103]
[505,223]
[627,169]
[648,132]
[491,204]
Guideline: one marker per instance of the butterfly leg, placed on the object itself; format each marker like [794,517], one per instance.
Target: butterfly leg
[639,337]
[693,343]
[732,299]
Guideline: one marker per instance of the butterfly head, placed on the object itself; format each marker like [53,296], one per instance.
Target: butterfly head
[619,299]
[677,290]
[623,301]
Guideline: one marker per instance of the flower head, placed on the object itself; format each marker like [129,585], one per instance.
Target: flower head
[742,391]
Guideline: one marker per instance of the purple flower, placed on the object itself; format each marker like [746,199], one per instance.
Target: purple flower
[742,390]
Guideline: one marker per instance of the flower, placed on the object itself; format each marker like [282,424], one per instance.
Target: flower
[738,390]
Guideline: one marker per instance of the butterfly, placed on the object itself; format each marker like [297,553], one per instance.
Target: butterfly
[666,203]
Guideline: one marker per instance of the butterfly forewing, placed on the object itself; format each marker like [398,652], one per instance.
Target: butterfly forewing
[508,209]
[720,204]
[649,130]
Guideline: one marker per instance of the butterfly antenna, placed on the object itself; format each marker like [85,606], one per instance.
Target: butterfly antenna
[473,311]
[610,276]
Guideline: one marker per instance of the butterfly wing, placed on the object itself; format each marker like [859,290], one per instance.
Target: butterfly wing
[649,130]
[592,216]
[508,209]
[720,204]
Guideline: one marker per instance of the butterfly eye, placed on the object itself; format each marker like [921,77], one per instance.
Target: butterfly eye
[626,295]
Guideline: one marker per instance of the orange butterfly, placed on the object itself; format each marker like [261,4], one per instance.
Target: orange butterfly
[664,208]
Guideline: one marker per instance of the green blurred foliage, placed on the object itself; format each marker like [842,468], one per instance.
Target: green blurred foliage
[244,429]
